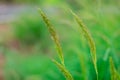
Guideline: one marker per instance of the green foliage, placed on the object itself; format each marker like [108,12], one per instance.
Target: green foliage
[21,67]
[29,30]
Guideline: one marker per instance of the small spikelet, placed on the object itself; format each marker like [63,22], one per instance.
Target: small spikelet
[53,35]
[89,39]
[114,74]
[65,72]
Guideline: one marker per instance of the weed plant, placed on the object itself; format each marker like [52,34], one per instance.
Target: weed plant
[102,23]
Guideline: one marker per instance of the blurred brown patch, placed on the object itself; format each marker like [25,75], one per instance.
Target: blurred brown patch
[7,39]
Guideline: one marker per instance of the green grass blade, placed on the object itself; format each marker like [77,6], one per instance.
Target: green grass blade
[114,74]
[90,41]
[53,35]
[83,66]
[65,72]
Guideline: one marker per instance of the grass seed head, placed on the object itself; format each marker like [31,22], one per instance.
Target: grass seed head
[65,72]
[90,40]
[114,74]
[53,35]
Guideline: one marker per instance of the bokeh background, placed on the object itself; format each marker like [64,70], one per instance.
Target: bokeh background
[26,48]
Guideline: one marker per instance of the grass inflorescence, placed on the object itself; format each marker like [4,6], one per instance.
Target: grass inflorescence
[53,35]
[55,38]
[114,74]
[62,68]
[89,39]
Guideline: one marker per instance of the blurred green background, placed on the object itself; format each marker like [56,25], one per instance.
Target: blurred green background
[26,48]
